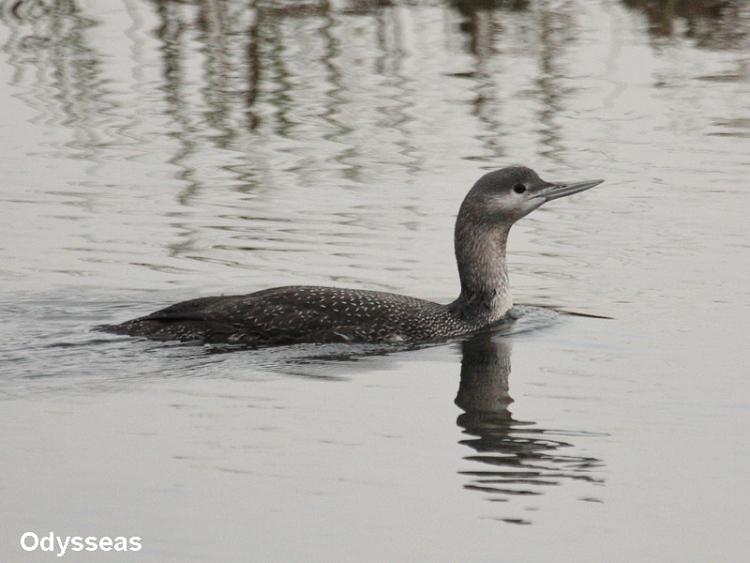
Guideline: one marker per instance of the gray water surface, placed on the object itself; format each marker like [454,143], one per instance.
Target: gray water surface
[157,151]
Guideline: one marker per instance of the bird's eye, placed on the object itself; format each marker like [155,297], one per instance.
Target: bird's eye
[519,188]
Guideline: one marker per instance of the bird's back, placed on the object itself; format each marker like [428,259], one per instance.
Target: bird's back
[291,314]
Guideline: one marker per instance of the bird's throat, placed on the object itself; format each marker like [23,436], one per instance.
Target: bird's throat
[480,254]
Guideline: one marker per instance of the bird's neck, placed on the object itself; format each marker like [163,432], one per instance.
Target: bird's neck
[480,253]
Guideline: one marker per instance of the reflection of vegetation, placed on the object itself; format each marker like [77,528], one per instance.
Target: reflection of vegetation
[50,50]
[556,33]
[481,25]
[715,24]
[473,6]
[252,82]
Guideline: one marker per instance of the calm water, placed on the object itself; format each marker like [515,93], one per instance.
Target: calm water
[155,151]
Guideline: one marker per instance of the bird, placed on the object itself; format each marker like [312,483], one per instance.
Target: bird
[319,314]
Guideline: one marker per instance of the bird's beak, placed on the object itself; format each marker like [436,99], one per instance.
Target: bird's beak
[562,189]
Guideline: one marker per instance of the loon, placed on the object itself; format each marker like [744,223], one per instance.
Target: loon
[316,314]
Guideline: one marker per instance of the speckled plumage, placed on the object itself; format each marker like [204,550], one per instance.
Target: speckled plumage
[286,315]
[296,314]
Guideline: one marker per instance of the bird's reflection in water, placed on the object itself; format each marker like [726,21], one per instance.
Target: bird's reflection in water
[517,458]
[511,458]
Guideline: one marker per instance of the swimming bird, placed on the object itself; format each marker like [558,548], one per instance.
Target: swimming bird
[316,314]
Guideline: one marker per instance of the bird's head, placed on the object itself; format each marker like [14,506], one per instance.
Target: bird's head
[504,196]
